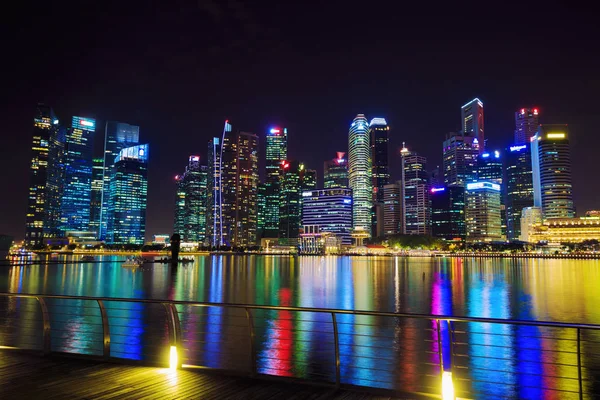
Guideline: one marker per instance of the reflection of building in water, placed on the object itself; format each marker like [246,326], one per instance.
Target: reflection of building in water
[565,230]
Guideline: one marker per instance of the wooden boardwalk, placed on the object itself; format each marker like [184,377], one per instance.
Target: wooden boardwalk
[27,376]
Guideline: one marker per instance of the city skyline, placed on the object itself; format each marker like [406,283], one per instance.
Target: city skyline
[302,91]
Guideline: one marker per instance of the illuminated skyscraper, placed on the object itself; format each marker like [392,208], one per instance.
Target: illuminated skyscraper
[551,164]
[472,121]
[526,125]
[460,159]
[415,194]
[379,131]
[128,194]
[75,206]
[190,205]
[56,181]
[45,126]
[359,172]
[482,212]
[229,153]
[491,169]
[261,205]
[276,152]
[330,210]
[392,209]
[96,200]
[448,212]
[246,217]
[519,187]
[335,172]
[117,136]
[289,203]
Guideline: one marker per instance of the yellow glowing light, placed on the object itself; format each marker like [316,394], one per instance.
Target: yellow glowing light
[555,136]
[447,386]
[173,358]
[8,347]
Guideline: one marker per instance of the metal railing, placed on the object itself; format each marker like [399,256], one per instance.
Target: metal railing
[404,352]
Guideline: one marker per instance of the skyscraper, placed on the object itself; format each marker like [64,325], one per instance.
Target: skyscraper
[379,131]
[483,212]
[448,212]
[519,187]
[359,172]
[56,181]
[489,167]
[190,206]
[213,200]
[392,209]
[472,121]
[117,136]
[75,207]
[460,159]
[96,199]
[246,217]
[289,203]
[276,152]
[128,195]
[551,164]
[330,210]
[526,125]
[261,205]
[45,124]
[335,172]
[229,195]
[415,194]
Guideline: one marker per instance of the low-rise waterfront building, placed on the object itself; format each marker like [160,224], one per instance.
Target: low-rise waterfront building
[566,230]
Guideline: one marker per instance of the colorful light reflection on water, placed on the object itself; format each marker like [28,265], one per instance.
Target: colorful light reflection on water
[500,360]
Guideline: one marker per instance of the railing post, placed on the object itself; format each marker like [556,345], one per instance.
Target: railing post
[336,340]
[252,348]
[105,330]
[579,363]
[174,330]
[451,341]
[46,347]
[439,343]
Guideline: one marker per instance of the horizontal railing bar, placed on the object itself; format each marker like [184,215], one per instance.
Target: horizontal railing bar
[318,310]
[518,360]
[521,373]
[521,386]
[513,347]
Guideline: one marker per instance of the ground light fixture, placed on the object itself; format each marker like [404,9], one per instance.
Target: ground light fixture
[447,386]
[173,358]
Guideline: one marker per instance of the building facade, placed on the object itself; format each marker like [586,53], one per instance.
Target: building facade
[128,196]
[290,204]
[530,218]
[246,206]
[96,199]
[526,125]
[482,212]
[472,122]
[558,231]
[380,140]
[551,168]
[75,205]
[335,172]
[359,173]
[415,194]
[213,200]
[191,201]
[460,154]
[45,124]
[519,187]
[330,210]
[448,212]
[276,153]
[392,209]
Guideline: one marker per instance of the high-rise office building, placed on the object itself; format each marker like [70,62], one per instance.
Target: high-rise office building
[246,207]
[96,199]
[392,209]
[472,121]
[448,212]
[190,204]
[260,214]
[213,200]
[75,206]
[551,165]
[489,167]
[330,210]
[359,173]
[276,152]
[379,131]
[117,136]
[229,173]
[526,125]
[335,172]
[289,203]
[45,124]
[519,187]
[482,212]
[415,194]
[460,159]
[56,181]
[308,177]
[128,196]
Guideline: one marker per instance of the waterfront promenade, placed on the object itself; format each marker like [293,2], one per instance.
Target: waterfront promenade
[27,376]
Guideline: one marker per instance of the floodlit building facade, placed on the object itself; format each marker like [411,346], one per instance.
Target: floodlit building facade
[558,231]
[330,210]
[415,194]
[359,172]
[276,153]
[482,212]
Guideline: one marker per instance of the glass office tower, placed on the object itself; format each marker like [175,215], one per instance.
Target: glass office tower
[96,199]
[276,152]
[380,139]
[335,172]
[330,210]
[519,187]
[359,173]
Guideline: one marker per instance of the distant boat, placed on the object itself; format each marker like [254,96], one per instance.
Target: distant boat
[133,262]
[87,258]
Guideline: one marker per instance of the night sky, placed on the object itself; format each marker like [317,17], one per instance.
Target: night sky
[178,69]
